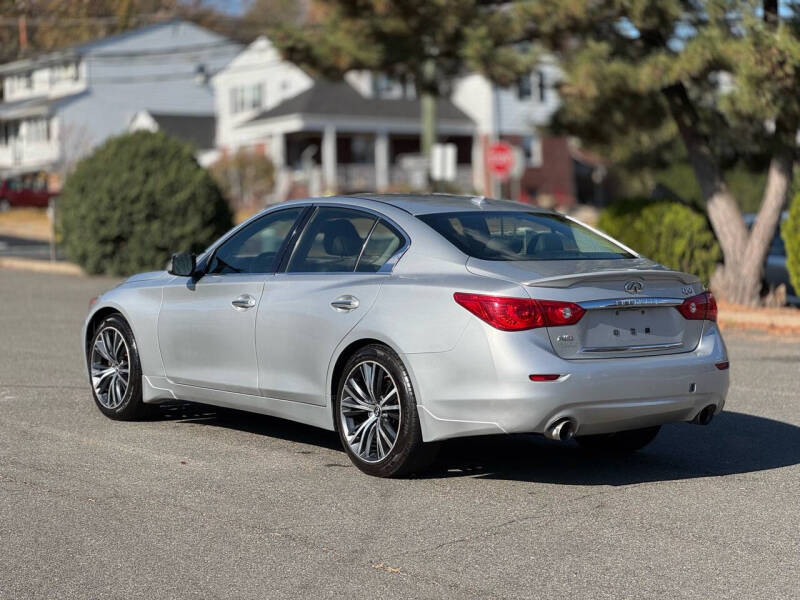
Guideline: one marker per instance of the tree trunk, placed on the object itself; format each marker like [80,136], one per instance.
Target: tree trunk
[731,282]
[778,181]
[739,280]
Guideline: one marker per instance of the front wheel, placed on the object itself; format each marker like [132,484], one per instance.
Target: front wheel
[115,371]
[621,442]
[376,414]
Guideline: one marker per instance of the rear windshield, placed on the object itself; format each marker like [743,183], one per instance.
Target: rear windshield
[522,236]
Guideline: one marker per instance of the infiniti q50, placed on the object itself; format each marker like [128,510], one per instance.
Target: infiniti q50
[401,320]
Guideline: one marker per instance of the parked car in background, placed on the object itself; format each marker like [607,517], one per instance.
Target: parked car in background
[24,191]
[775,270]
[403,320]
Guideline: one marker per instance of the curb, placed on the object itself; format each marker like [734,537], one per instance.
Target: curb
[40,266]
[760,321]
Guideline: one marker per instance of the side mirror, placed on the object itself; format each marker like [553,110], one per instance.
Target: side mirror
[182,264]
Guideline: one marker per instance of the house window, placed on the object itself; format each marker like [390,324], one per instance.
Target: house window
[37,130]
[67,71]
[524,87]
[246,97]
[542,86]
[392,88]
[9,131]
[21,81]
[25,81]
[532,147]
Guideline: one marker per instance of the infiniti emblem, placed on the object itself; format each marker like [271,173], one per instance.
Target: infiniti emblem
[633,286]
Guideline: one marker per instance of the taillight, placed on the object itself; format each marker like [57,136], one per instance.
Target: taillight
[560,313]
[700,307]
[518,314]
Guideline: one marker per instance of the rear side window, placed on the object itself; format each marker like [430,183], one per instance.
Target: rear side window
[383,243]
[511,236]
[332,241]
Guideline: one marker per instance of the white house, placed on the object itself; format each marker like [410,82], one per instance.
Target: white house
[353,133]
[364,132]
[56,106]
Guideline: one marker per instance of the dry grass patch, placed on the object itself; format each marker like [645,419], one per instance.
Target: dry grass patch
[30,223]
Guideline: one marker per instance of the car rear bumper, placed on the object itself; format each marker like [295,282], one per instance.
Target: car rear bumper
[483,387]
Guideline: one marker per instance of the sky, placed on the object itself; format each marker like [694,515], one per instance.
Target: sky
[234,7]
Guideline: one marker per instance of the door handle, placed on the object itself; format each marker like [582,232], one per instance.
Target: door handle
[244,302]
[345,303]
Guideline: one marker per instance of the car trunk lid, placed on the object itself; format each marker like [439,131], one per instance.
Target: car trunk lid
[629,303]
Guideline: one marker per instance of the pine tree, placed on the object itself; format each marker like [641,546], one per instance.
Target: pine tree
[720,76]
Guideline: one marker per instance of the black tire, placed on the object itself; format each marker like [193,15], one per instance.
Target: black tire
[621,442]
[408,454]
[131,407]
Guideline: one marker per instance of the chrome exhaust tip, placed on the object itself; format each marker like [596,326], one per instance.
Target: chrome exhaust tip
[704,416]
[561,430]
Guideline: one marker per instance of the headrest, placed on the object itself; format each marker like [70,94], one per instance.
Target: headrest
[340,238]
[549,242]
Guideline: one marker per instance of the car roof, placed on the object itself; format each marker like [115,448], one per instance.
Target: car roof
[422,204]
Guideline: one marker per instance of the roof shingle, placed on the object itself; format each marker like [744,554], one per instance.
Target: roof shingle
[331,98]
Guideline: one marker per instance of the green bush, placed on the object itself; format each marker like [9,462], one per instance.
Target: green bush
[670,233]
[135,200]
[790,232]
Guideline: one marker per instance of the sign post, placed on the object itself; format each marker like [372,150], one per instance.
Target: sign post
[500,160]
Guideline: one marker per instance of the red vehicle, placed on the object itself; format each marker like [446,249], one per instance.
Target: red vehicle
[24,191]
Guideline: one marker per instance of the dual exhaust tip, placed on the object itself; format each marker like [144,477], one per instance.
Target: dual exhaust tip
[561,430]
[704,416]
[565,428]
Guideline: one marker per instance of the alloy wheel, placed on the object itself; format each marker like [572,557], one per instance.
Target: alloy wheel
[370,412]
[110,367]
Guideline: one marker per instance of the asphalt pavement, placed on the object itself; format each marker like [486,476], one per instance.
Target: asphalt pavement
[199,503]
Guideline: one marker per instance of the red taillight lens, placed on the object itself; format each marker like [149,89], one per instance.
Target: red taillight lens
[548,377]
[507,314]
[560,313]
[700,307]
[518,314]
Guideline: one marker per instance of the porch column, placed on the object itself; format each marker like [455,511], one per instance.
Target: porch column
[381,161]
[277,150]
[329,158]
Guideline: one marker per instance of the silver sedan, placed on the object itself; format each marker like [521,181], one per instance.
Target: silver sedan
[401,320]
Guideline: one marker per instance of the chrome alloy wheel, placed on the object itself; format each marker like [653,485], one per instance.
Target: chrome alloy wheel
[110,365]
[369,411]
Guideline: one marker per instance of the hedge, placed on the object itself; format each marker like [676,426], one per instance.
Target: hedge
[790,231]
[135,200]
[667,232]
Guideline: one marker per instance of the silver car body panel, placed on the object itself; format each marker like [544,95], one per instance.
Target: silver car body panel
[279,356]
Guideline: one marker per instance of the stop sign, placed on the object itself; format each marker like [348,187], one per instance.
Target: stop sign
[500,159]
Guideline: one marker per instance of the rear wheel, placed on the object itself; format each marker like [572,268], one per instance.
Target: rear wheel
[621,442]
[376,414]
[115,371]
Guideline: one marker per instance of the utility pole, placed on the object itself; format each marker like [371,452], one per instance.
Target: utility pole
[23,33]
[428,107]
